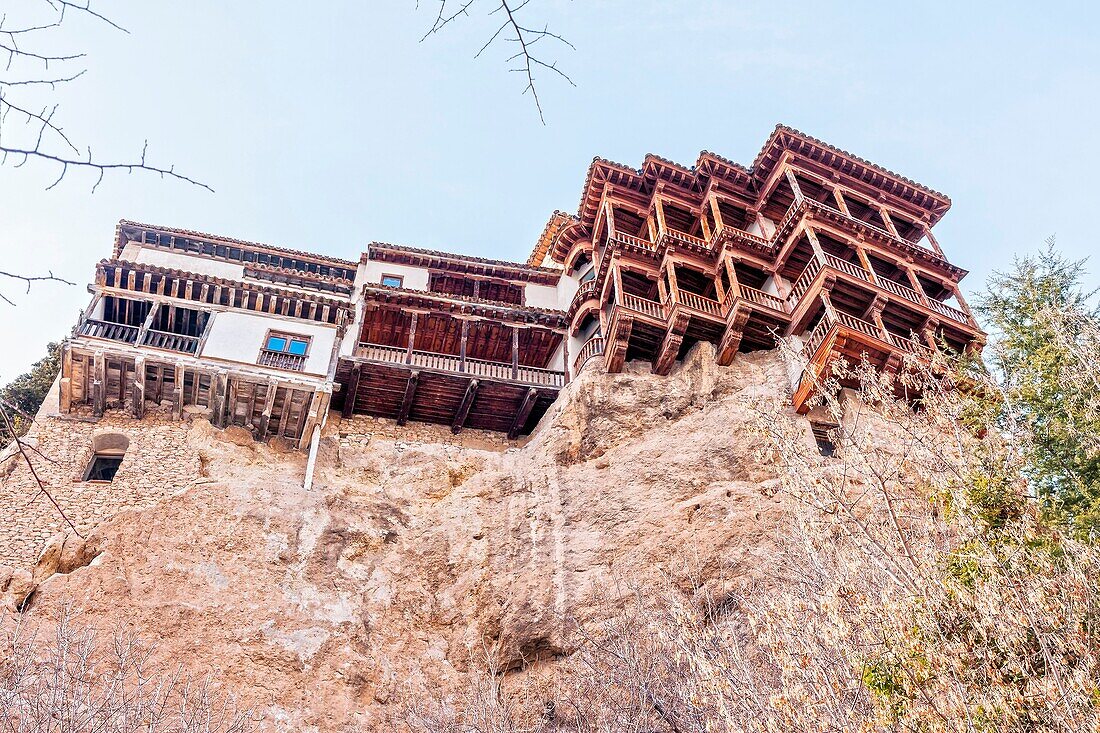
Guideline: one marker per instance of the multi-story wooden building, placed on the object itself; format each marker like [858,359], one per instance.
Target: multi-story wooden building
[810,242]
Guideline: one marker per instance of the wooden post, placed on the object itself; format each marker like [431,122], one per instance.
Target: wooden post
[218,406]
[830,311]
[310,421]
[515,352]
[177,391]
[914,282]
[147,324]
[137,395]
[815,244]
[99,384]
[673,288]
[462,345]
[352,389]
[566,366]
[841,204]
[882,212]
[662,227]
[791,179]
[412,338]
[932,240]
[716,211]
[65,398]
[269,407]
[865,261]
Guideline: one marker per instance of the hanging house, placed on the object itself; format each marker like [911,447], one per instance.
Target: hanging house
[810,242]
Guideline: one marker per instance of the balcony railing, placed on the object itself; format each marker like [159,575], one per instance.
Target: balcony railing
[765,299]
[457,365]
[814,266]
[592,348]
[281,360]
[171,341]
[645,307]
[107,330]
[586,291]
[699,303]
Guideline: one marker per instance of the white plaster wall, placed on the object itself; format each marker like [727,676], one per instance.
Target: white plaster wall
[189,263]
[240,336]
[547,296]
[416,278]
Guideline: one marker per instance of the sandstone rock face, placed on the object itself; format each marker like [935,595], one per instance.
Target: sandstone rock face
[416,549]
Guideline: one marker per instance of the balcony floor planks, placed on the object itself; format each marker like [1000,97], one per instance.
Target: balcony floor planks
[439,395]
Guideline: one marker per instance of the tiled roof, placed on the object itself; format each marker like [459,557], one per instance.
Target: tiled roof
[229,240]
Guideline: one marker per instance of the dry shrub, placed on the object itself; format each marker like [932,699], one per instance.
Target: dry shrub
[920,590]
[70,678]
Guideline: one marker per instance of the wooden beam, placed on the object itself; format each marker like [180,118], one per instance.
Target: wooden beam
[99,384]
[524,412]
[137,394]
[218,405]
[791,179]
[464,406]
[147,324]
[177,391]
[269,407]
[731,339]
[352,388]
[407,400]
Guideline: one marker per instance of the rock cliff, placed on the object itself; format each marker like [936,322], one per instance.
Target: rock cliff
[410,555]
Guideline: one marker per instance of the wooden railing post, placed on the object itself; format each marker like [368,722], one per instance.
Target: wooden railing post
[412,338]
[462,345]
[515,353]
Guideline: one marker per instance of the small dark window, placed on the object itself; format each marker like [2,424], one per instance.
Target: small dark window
[823,437]
[393,281]
[103,468]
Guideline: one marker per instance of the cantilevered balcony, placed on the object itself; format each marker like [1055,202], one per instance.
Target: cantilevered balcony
[452,364]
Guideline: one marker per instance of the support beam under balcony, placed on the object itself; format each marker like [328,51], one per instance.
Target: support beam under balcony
[731,338]
[523,413]
[407,400]
[464,407]
[221,388]
[618,341]
[670,346]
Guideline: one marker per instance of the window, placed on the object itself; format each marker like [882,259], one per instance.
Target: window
[393,281]
[823,437]
[103,468]
[108,452]
[284,351]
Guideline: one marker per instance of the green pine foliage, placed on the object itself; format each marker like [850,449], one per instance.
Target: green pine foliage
[1045,336]
[24,394]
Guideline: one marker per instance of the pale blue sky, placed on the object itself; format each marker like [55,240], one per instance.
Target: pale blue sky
[324,126]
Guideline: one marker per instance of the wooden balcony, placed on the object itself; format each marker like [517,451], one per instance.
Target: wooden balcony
[592,348]
[457,365]
[411,384]
[282,360]
[818,268]
[840,334]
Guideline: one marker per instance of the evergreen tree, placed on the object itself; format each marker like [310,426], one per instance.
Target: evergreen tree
[1046,336]
[24,395]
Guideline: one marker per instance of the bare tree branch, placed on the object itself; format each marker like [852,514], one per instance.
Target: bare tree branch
[511,30]
[22,449]
[28,68]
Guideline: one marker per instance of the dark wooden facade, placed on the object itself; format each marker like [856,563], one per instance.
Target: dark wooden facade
[811,241]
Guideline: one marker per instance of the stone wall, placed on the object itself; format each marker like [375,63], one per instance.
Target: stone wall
[157,463]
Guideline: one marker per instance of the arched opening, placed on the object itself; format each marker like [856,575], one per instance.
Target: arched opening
[108,450]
